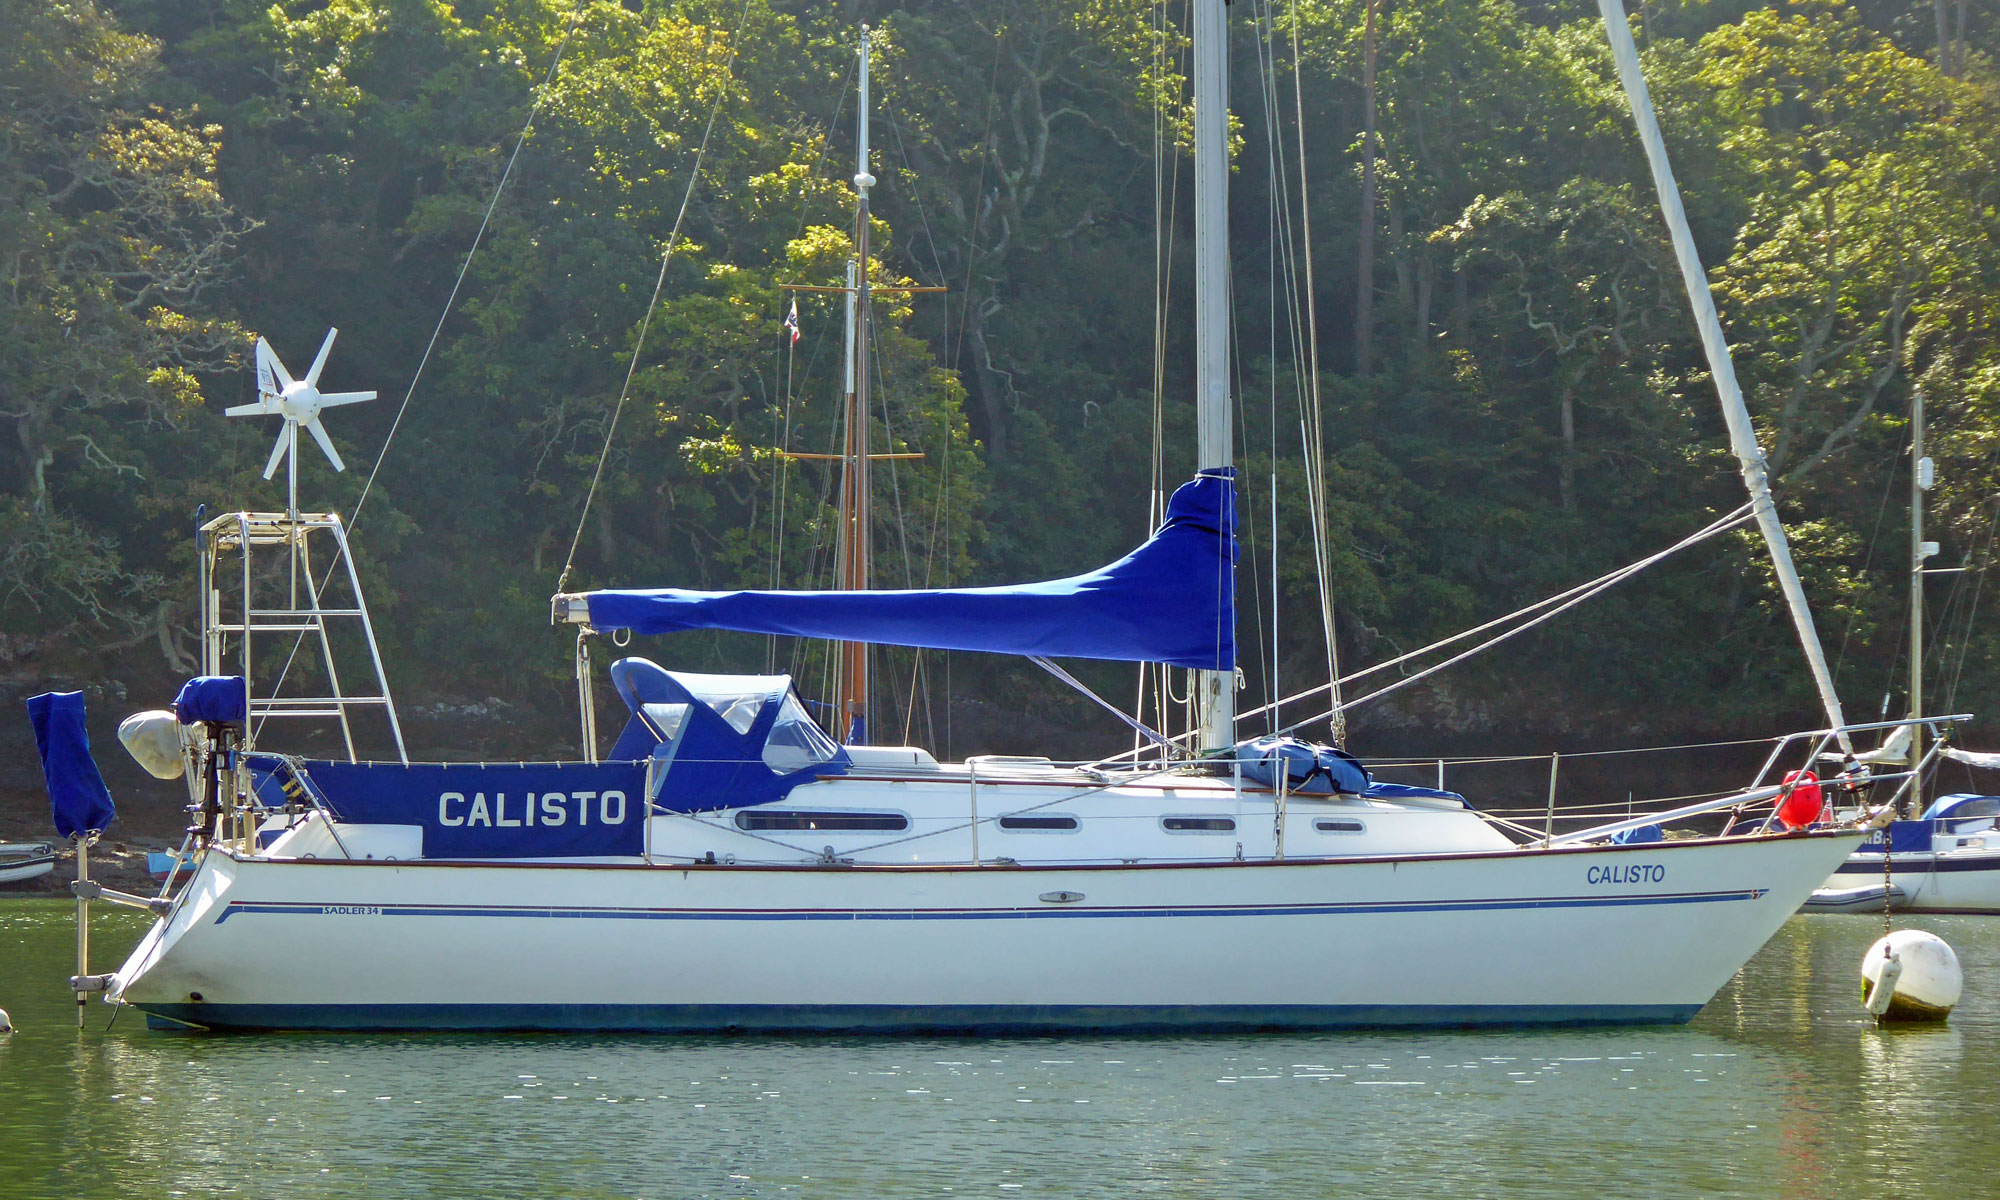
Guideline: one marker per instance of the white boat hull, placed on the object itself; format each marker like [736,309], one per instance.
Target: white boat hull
[19,869]
[1952,881]
[1642,933]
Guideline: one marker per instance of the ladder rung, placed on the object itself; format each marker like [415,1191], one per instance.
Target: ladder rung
[304,613]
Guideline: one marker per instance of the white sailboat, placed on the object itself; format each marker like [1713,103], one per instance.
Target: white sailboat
[1946,860]
[730,866]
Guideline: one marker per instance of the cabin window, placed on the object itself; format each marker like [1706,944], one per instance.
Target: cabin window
[796,741]
[1039,823]
[1198,824]
[1339,825]
[821,822]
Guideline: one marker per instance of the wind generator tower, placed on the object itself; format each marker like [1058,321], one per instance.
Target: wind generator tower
[236,637]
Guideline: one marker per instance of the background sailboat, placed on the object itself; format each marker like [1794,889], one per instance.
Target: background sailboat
[1947,859]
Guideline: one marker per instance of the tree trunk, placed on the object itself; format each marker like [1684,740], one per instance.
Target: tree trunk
[1420,327]
[1958,44]
[991,401]
[37,456]
[1943,36]
[1364,275]
[1566,473]
[1461,308]
[1399,255]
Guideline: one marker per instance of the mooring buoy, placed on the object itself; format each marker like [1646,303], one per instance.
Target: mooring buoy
[6,1022]
[1911,975]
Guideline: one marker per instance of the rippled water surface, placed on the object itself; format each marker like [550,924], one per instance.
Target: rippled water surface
[1778,1089]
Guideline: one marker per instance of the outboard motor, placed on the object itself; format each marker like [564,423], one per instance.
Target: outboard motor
[215,710]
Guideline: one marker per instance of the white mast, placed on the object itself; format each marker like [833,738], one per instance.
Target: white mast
[1216,689]
[1742,436]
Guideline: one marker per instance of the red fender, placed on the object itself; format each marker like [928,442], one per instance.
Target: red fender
[1806,803]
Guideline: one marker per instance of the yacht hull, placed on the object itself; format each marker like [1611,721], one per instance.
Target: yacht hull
[1955,881]
[1570,935]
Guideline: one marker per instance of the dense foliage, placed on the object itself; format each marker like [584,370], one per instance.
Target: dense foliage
[1512,396]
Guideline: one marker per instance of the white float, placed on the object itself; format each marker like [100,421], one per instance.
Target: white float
[1911,975]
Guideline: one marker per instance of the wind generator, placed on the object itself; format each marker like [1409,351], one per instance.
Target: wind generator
[225,547]
[299,402]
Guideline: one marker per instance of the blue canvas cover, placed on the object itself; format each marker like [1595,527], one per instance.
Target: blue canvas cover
[753,749]
[1310,770]
[483,810]
[1960,806]
[219,699]
[1904,837]
[1640,836]
[78,799]
[1171,601]
[1410,791]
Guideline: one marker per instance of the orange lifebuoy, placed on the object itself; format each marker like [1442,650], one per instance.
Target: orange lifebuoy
[1805,804]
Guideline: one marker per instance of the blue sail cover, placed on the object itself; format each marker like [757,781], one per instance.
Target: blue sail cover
[78,799]
[1173,600]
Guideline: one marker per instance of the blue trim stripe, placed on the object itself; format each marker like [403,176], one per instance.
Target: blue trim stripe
[310,908]
[901,1019]
[1920,864]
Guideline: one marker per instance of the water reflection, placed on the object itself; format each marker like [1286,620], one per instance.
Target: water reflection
[1780,1088]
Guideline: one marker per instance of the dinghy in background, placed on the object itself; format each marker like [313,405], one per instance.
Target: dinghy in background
[22,861]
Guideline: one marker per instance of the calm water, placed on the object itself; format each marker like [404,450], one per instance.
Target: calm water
[1778,1089]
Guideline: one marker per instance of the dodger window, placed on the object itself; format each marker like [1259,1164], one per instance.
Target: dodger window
[796,740]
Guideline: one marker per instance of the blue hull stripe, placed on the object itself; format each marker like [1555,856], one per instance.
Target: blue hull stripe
[314,909]
[870,1018]
[1920,864]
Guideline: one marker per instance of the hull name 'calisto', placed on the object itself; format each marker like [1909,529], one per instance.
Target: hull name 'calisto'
[546,808]
[1626,873]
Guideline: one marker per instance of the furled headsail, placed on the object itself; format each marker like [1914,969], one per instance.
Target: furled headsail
[1172,600]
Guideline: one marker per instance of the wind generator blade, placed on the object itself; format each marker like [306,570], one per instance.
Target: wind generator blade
[333,398]
[325,443]
[278,451]
[325,348]
[261,408]
[271,374]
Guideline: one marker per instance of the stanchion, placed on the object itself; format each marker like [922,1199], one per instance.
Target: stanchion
[82,842]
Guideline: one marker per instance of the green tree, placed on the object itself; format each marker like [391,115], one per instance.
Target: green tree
[117,245]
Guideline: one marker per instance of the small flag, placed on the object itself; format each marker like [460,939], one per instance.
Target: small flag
[792,322]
